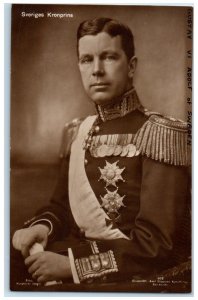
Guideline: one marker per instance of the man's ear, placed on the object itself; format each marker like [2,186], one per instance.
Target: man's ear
[132,66]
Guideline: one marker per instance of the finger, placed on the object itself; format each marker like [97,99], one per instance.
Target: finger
[36,248]
[40,275]
[31,259]
[25,250]
[42,279]
[26,245]
[19,237]
[15,241]
[33,268]
[36,274]
[44,243]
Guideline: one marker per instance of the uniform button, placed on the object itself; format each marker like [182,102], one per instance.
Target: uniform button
[86,161]
[81,233]
[97,129]
[75,121]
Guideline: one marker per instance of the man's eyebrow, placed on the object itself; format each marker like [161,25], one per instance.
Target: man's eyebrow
[85,55]
[112,52]
[106,52]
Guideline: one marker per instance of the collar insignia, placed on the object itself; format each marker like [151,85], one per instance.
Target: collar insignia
[126,104]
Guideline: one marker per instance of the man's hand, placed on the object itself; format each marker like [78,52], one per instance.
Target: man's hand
[47,266]
[23,239]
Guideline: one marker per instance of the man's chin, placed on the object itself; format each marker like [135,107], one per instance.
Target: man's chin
[102,99]
[105,98]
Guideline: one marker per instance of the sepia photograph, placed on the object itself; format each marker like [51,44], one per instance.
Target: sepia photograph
[100,148]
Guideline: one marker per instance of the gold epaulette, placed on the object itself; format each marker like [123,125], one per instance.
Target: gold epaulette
[164,139]
[69,134]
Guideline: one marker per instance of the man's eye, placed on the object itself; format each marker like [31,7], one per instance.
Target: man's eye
[110,58]
[85,60]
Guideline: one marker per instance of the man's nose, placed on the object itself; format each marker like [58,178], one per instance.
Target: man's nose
[98,69]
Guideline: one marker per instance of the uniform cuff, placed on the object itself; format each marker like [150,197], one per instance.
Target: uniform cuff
[73,268]
[48,218]
[41,221]
[88,265]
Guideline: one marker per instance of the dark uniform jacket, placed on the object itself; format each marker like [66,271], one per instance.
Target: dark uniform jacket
[124,197]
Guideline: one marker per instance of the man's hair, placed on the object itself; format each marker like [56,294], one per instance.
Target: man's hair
[110,26]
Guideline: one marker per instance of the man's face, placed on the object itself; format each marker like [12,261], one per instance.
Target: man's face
[106,73]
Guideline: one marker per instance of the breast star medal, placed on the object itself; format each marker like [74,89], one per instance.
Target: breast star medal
[111,173]
[112,201]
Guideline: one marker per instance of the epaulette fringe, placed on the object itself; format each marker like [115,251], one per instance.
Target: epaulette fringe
[69,134]
[164,139]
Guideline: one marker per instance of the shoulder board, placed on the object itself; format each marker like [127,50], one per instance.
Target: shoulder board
[164,139]
[69,134]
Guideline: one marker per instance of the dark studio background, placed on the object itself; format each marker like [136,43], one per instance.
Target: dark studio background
[46,89]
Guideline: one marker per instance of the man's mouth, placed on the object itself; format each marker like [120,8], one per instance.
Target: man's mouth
[100,84]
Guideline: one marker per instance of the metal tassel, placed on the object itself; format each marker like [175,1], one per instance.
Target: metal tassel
[168,145]
[153,148]
[171,147]
[146,136]
[149,143]
[185,149]
[139,136]
[180,149]
[165,145]
[157,143]
[175,150]
[181,143]
[161,148]
[178,159]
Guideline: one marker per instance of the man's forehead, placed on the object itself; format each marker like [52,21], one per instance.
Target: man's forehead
[99,43]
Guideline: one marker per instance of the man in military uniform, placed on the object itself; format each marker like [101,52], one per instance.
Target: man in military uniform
[121,196]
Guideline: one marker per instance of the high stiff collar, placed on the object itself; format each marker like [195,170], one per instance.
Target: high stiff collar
[128,103]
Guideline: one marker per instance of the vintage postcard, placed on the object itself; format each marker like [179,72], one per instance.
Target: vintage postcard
[101,119]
